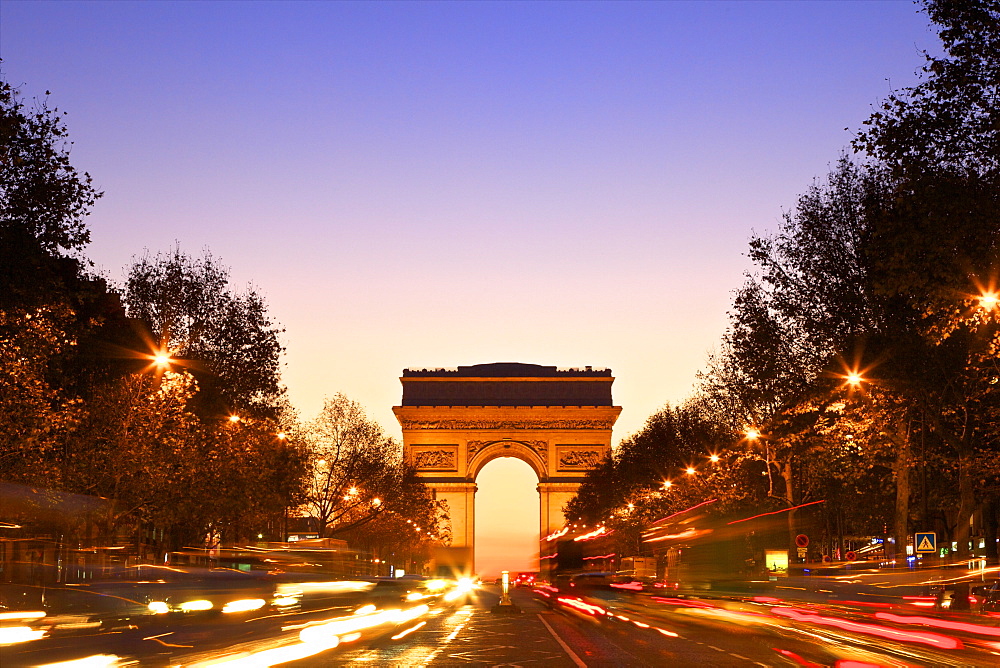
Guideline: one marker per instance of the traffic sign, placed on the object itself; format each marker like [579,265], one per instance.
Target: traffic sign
[826,558]
[802,552]
[851,556]
[925,542]
[802,540]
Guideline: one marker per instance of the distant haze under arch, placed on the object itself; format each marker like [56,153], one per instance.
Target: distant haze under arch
[506,518]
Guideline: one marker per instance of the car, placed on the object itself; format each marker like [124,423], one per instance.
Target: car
[525,579]
[988,597]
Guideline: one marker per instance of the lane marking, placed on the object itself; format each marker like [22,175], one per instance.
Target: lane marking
[451,636]
[579,662]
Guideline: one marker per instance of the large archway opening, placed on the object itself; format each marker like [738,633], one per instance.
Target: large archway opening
[506,512]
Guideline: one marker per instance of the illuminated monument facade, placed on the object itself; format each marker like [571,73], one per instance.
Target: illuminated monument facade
[455,421]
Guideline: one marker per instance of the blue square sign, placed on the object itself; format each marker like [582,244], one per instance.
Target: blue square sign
[925,543]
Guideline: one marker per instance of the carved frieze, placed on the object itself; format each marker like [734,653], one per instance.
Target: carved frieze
[441,459]
[576,458]
[506,424]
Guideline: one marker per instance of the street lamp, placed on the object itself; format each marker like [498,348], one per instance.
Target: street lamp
[714,458]
[854,379]
[752,434]
[234,418]
[690,470]
[989,300]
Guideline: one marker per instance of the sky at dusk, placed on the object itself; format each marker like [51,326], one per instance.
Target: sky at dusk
[442,184]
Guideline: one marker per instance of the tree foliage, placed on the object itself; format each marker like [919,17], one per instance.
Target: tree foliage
[74,417]
[882,273]
[227,339]
[358,476]
[42,196]
[647,476]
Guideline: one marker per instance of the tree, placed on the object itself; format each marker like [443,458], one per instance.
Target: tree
[35,414]
[935,231]
[133,446]
[43,199]
[45,297]
[358,474]
[74,416]
[227,340]
[808,320]
[172,474]
[682,456]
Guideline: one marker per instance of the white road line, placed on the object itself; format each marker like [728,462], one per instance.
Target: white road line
[577,660]
[451,636]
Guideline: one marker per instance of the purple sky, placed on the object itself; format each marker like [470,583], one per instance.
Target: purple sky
[436,184]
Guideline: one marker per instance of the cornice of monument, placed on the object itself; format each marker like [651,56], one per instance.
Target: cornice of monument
[546,379]
[506,417]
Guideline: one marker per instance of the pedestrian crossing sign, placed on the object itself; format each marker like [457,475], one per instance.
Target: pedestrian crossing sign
[925,543]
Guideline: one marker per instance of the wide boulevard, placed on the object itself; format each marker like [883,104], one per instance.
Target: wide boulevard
[632,632]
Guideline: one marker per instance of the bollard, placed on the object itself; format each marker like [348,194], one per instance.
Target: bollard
[505,605]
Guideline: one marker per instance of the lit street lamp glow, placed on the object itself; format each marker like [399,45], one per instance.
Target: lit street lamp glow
[667,484]
[854,379]
[752,434]
[714,458]
[989,300]
[234,418]
[690,470]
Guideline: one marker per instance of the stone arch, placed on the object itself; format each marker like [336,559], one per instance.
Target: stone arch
[455,421]
[482,453]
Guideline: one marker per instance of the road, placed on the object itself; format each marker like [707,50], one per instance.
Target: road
[629,634]
[540,636]
[569,627]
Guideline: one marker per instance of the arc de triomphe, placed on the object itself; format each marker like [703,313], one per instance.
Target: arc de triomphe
[455,421]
